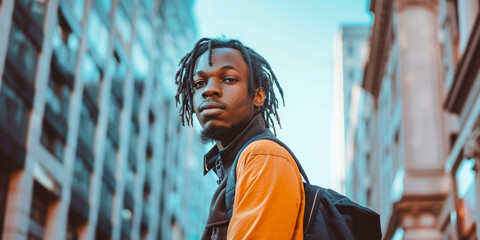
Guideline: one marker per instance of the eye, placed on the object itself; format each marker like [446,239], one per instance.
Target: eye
[230,80]
[198,84]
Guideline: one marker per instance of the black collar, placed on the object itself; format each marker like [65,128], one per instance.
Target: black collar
[228,154]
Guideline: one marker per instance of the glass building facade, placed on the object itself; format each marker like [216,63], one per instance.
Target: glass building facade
[90,141]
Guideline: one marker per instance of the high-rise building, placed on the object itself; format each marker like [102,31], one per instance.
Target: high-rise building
[417,141]
[351,52]
[90,140]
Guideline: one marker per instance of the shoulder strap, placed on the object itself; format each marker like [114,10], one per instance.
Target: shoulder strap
[232,176]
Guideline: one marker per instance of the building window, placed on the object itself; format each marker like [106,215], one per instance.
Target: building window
[104,226]
[65,45]
[123,24]
[110,159]
[113,116]
[97,36]
[467,203]
[105,6]
[118,73]
[41,200]
[91,76]
[52,142]
[137,95]
[22,54]
[132,152]
[87,127]
[77,6]
[58,96]
[81,186]
[140,61]
[14,113]
[127,216]
[35,8]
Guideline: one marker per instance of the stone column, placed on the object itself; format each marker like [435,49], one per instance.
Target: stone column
[472,150]
[17,214]
[425,180]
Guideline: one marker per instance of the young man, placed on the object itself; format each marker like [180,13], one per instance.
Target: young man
[230,88]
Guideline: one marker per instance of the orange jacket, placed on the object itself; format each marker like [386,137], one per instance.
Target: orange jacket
[269,199]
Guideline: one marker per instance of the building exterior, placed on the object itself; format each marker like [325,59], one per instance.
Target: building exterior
[90,141]
[351,52]
[417,141]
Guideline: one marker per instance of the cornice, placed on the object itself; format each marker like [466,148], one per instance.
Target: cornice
[465,72]
[430,4]
[372,81]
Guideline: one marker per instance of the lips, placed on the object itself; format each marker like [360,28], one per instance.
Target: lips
[209,109]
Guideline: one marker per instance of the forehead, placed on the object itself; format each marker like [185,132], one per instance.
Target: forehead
[222,57]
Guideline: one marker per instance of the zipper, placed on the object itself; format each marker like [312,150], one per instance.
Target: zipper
[313,207]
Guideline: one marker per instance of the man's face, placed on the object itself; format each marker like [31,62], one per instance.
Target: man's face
[221,100]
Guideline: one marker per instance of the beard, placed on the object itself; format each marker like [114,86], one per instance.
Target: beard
[220,133]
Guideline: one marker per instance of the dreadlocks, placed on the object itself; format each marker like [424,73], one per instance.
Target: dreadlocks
[260,76]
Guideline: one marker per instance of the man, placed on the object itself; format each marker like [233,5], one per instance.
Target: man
[230,88]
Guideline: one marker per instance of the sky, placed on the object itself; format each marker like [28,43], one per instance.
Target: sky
[296,38]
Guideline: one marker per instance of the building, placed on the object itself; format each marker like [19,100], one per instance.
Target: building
[417,143]
[351,52]
[90,141]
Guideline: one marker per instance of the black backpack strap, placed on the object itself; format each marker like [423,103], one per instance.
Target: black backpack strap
[232,176]
[313,195]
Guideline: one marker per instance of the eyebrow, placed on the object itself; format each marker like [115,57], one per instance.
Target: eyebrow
[226,67]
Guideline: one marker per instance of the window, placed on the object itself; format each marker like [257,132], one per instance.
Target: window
[127,216]
[80,188]
[41,200]
[144,29]
[91,77]
[81,178]
[97,36]
[52,142]
[118,73]
[132,152]
[113,116]
[105,6]
[22,54]
[140,61]
[87,127]
[65,45]
[110,156]
[137,95]
[105,213]
[467,203]
[130,176]
[38,217]
[35,8]
[58,97]
[123,24]
[14,113]
[54,130]
[77,6]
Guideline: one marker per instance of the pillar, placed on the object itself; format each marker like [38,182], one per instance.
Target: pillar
[425,181]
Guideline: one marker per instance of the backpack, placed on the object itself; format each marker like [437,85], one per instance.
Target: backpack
[327,215]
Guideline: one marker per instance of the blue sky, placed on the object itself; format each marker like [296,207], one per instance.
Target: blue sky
[296,38]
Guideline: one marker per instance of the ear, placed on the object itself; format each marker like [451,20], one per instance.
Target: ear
[259,98]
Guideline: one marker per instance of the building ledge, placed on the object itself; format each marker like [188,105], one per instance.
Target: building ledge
[465,73]
[372,79]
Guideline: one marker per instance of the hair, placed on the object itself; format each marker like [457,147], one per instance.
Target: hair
[260,76]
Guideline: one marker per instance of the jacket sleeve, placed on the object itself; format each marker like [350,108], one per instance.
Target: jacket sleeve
[269,198]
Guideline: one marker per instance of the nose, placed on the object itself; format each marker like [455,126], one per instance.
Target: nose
[212,89]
